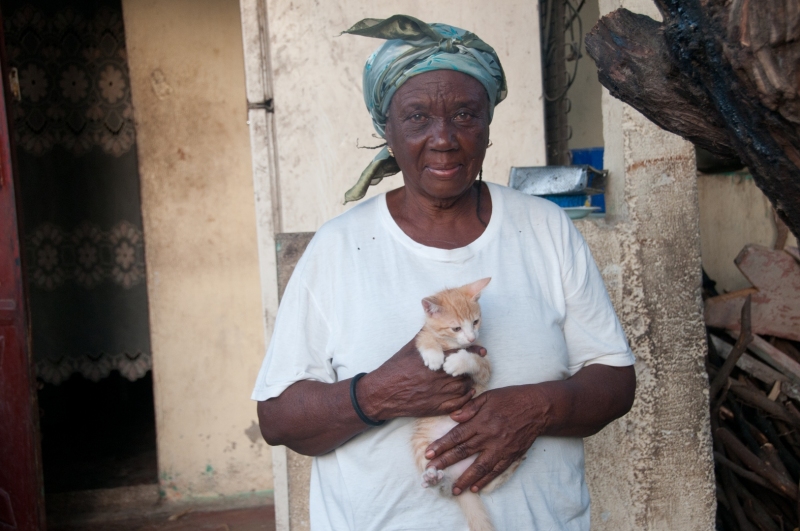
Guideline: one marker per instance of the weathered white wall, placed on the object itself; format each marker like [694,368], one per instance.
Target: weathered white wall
[187,78]
[733,213]
[653,468]
[320,114]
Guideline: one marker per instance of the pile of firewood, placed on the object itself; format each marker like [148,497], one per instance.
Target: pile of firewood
[754,372]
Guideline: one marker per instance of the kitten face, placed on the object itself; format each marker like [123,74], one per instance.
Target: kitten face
[463,332]
[454,315]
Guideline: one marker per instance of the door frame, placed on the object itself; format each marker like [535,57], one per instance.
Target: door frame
[22,505]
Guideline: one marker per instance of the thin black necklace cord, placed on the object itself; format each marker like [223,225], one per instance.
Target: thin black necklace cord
[479,186]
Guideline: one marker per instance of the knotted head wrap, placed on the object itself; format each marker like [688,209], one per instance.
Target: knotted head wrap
[412,48]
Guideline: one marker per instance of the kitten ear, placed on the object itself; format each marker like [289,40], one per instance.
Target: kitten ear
[474,289]
[431,305]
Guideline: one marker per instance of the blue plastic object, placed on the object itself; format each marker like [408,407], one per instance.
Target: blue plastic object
[568,200]
[591,156]
[594,158]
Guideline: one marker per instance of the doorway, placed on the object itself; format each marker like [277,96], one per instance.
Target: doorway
[72,126]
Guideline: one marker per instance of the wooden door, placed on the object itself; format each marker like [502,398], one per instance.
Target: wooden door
[21,485]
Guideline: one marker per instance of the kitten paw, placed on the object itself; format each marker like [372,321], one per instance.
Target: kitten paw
[431,477]
[461,362]
[434,359]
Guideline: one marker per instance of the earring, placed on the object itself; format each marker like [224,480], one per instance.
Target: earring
[391,153]
[490,144]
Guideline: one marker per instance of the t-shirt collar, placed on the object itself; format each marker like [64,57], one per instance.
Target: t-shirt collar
[461,254]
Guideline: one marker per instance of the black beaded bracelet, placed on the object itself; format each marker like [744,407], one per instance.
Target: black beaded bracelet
[354,401]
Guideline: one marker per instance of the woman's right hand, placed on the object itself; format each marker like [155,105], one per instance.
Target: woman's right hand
[404,387]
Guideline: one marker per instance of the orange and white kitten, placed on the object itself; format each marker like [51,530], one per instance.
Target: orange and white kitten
[452,320]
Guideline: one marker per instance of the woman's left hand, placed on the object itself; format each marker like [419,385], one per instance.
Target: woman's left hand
[500,424]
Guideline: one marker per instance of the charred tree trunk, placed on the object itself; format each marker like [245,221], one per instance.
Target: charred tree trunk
[724,74]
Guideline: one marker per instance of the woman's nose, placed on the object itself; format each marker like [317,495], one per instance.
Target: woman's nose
[443,135]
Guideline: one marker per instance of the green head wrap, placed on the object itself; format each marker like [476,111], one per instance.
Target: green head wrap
[414,47]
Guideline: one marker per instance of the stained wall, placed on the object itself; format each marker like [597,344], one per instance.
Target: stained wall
[187,80]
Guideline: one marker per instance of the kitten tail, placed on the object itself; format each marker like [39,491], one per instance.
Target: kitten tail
[473,508]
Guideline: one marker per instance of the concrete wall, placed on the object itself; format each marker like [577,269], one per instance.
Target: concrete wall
[187,78]
[733,213]
[653,469]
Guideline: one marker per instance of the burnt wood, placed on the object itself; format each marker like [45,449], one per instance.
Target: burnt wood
[724,74]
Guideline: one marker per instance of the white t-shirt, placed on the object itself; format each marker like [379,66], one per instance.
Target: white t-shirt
[355,299]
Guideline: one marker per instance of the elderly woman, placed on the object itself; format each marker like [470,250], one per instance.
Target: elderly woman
[562,367]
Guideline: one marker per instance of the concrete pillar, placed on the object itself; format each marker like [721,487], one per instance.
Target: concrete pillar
[653,469]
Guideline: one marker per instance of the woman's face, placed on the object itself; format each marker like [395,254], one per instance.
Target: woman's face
[438,128]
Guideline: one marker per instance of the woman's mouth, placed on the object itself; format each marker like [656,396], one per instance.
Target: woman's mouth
[444,171]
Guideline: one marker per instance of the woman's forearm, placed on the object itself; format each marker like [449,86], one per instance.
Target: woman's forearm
[311,418]
[588,401]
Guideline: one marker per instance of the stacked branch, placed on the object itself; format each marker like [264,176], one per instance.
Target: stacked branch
[755,421]
[720,73]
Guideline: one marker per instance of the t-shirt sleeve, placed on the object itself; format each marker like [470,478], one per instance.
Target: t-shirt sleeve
[591,328]
[299,348]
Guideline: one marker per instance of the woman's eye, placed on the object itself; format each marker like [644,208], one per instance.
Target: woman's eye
[417,117]
[475,322]
[457,329]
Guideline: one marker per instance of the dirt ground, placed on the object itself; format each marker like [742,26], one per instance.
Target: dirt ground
[138,508]
[248,519]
